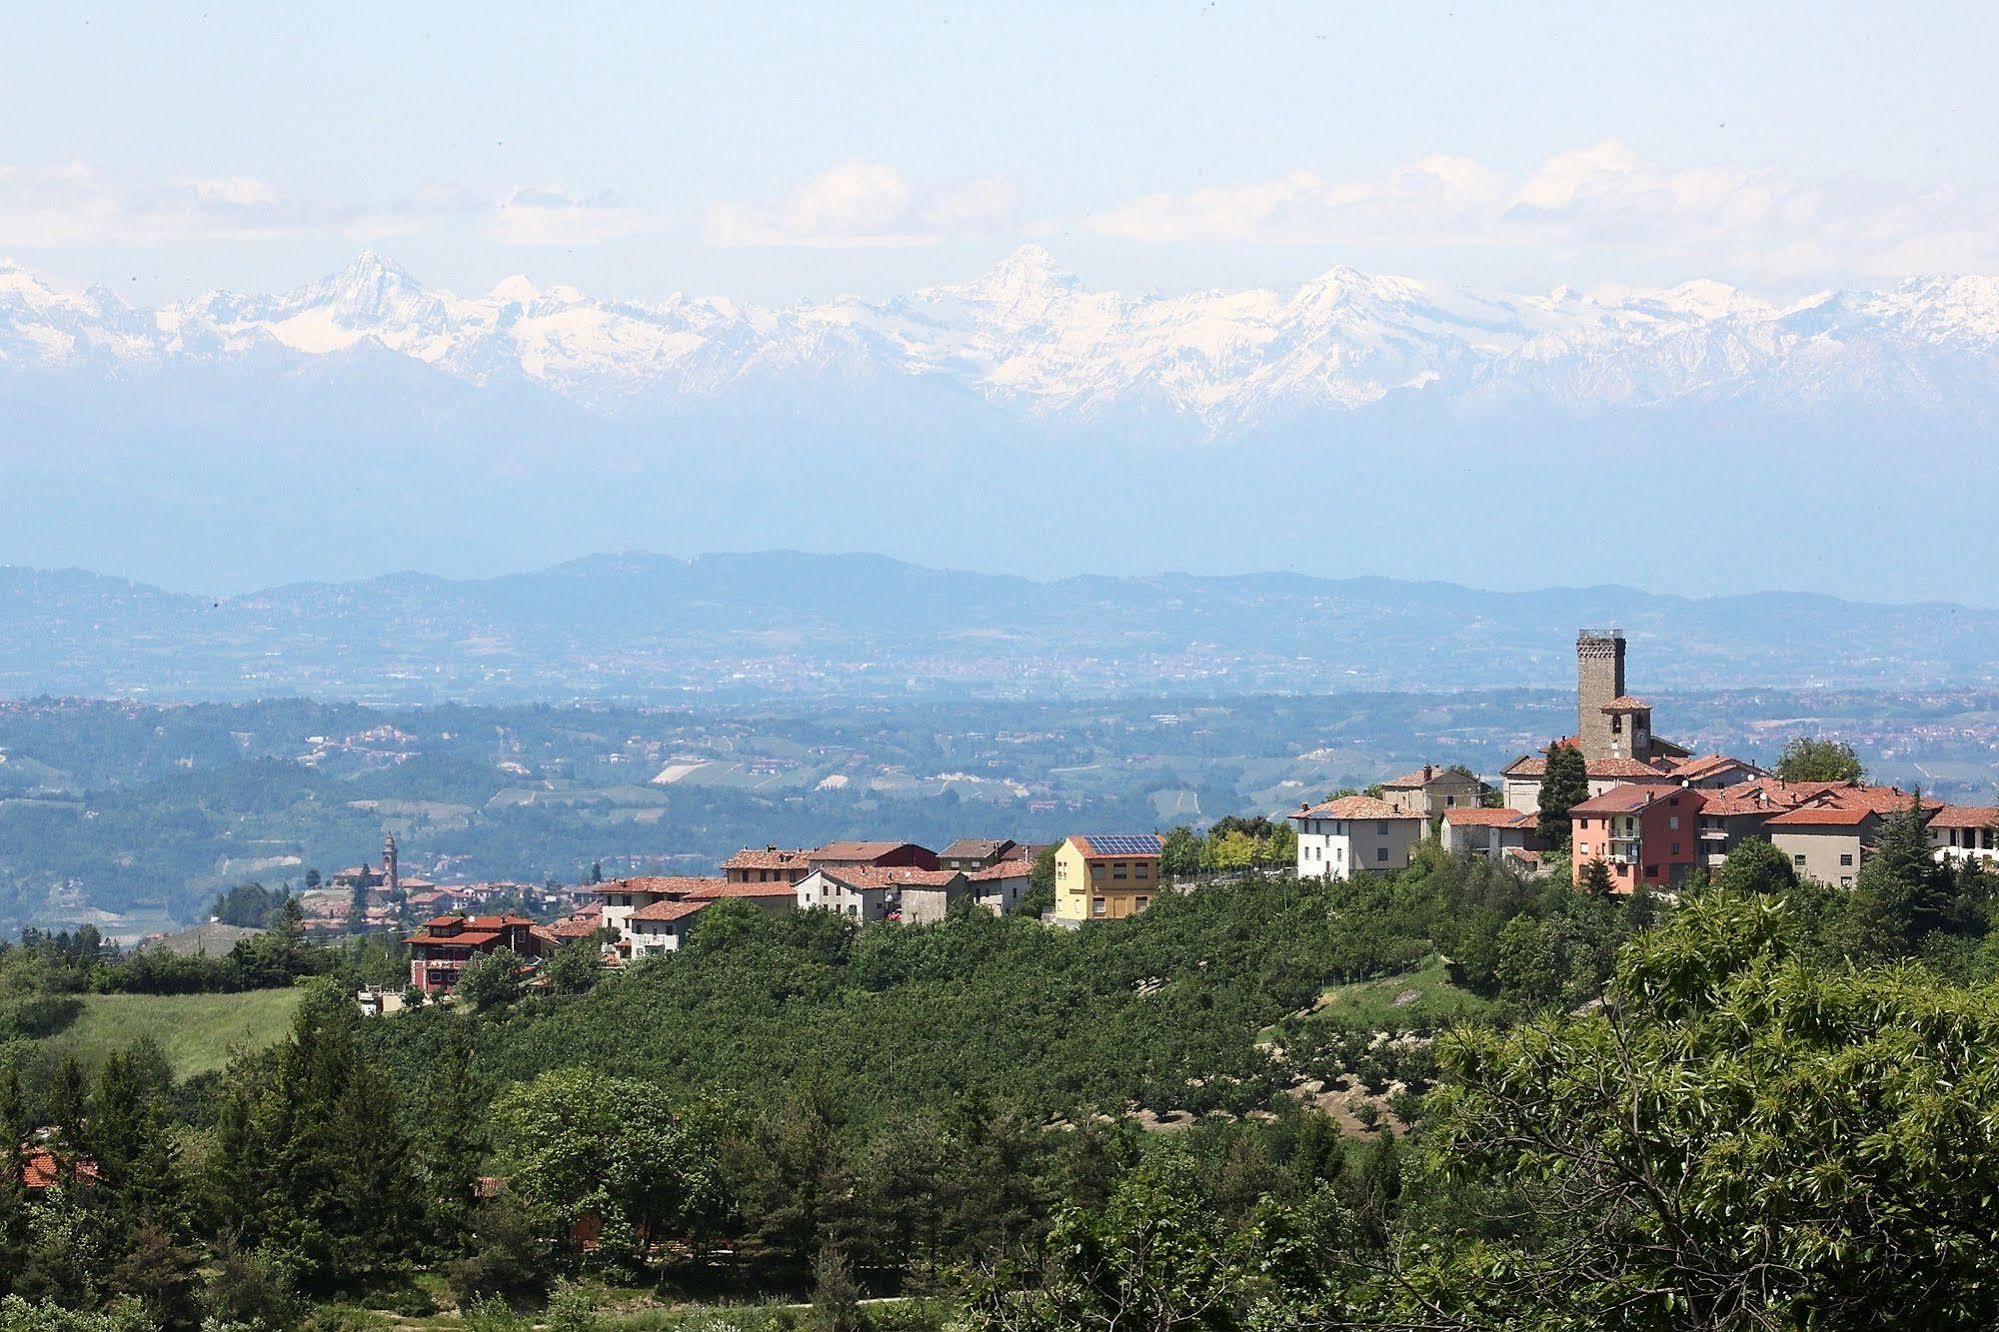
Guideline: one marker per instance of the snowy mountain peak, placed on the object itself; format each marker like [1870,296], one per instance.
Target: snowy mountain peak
[1028,336]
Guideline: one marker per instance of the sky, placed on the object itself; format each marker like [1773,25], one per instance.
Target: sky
[777,153]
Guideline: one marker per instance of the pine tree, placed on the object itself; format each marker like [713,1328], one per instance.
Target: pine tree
[1564,784]
[1596,878]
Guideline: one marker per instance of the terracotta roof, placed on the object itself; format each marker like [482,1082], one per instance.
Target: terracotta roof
[977,847]
[1822,816]
[1630,799]
[716,888]
[40,1168]
[1423,776]
[1626,703]
[1966,816]
[1880,799]
[661,885]
[668,910]
[1491,818]
[1536,765]
[1707,765]
[1006,869]
[1354,807]
[771,857]
[1522,854]
[873,877]
[854,850]
[1149,841]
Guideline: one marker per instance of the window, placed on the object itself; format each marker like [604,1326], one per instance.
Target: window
[1096,906]
[1141,871]
[1118,870]
[1138,903]
[1846,880]
[1846,858]
[1651,871]
[1676,848]
[1798,860]
[1582,848]
[1673,823]
[1381,829]
[1381,853]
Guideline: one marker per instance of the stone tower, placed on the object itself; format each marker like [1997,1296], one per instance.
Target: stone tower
[391,880]
[1599,679]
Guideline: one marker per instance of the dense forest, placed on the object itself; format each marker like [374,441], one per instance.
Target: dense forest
[1765,1104]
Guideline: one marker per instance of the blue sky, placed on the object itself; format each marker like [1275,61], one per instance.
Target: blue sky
[776,153]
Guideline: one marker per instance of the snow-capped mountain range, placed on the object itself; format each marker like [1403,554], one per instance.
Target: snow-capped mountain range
[1030,337]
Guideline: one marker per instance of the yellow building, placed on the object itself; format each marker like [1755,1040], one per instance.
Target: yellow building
[1106,876]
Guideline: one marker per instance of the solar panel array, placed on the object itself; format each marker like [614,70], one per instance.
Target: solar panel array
[1117,844]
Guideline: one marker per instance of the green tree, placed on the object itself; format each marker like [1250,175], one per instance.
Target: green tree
[492,980]
[1754,867]
[574,1144]
[1809,758]
[575,968]
[1564,785]
[1738,1139]
[1596,879]
[1180,857]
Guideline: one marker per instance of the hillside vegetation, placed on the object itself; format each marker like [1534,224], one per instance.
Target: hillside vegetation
[198,1033]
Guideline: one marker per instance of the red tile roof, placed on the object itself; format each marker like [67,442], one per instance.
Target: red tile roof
[1966,816]
[1694,769]
[771,857]
[716,888]
[1005,869]
[872,877]
[1822,816]
[853,850]
[1880,799]
[1536,765]
[1491,818]
[1633,798]
[668,910]
[661,885]
[1423,776]
[40,1168]
[1354,807]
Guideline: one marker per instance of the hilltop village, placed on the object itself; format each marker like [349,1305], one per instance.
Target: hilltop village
[1650,814]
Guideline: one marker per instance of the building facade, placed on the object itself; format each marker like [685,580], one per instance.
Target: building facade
[1106,876]
[1432,789]
[1354,834]
[1646,835]
[446,945]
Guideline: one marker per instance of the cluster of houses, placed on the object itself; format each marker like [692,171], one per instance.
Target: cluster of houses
[1097,876]
[1655,814]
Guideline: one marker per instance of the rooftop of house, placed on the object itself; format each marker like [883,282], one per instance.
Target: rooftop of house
[1620,769]
[1822,816]
[1119,846]
[1630,799]
[1694,769]
[668,910]
[660,885]
[712,889]
[873,877]
[771,857]
[1966,816]
[976,847]
[1005,869]
[1491,818]
[1626,703]
[1353,807]
[856,850]
[1423,776]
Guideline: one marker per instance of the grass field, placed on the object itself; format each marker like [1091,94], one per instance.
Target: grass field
[197,1031]
[1415,1000]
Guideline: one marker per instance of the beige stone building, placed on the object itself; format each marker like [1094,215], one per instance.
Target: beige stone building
[1432,789]
[1353,834]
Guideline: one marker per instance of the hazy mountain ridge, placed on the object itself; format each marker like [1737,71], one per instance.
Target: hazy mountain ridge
[1030,336]
[656,629]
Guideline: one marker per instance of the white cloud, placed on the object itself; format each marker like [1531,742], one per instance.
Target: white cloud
[861,204]
[1605,199]
[73,203]
[548,215]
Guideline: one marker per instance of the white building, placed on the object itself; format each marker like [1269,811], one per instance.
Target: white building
[660,927]
[1354,833]
[1966,832]
[999,888]
[1490,832]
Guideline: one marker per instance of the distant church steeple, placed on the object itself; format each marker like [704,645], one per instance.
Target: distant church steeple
[391,880]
